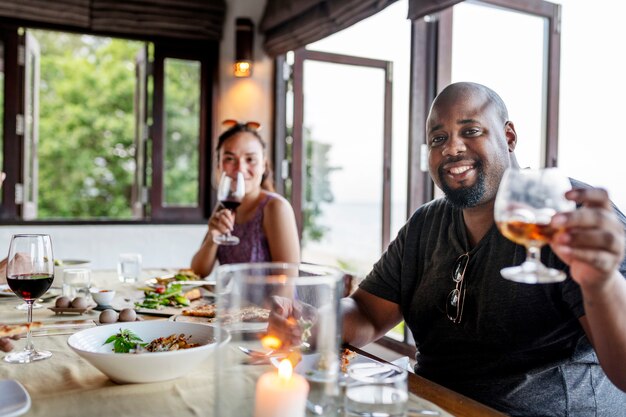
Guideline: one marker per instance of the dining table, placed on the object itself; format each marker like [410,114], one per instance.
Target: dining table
[67,385]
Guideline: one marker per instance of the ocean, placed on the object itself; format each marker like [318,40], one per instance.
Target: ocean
[353,240]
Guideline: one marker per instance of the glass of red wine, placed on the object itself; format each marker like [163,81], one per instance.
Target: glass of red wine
[30,272]
[230,192]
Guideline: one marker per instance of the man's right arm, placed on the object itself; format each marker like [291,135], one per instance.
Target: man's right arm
[367,318]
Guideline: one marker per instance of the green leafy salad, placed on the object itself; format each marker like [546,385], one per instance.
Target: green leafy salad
[124,341]
[162,296]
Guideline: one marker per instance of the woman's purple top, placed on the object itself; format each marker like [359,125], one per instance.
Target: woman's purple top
[253,246]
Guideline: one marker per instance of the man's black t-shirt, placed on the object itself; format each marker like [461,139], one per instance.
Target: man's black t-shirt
[519,347]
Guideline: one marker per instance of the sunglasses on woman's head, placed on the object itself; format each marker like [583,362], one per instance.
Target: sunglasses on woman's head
[228,123]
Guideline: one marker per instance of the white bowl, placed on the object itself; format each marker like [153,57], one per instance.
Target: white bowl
[102,296]
[148,366]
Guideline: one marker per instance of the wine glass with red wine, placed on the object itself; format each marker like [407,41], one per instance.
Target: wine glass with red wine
[230,192]
[30,272]
[526,201]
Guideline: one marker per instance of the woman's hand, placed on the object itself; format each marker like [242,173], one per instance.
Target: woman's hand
[221,222]
[591,240]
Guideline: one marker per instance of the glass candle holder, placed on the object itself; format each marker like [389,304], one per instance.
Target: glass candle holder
[278,312]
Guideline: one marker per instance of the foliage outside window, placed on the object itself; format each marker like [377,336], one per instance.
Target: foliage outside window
[86,125]
[317,187]
[93,114]
[182,130]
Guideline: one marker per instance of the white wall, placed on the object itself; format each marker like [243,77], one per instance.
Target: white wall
[168,246]
[251,98]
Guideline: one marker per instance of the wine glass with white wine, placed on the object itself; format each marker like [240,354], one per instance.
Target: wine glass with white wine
[526,201]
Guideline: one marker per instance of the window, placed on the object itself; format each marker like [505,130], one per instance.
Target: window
[113,129]
[348,148]
[592,89]
[521,64]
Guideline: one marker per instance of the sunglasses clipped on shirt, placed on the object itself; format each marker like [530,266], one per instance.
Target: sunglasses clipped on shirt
[255,126]
[456,297]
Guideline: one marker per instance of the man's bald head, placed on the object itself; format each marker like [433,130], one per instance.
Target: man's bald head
[465,90]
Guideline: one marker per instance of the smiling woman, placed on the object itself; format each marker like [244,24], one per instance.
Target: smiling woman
[263,222]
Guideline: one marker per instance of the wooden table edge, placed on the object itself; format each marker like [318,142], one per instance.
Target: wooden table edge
[449,400]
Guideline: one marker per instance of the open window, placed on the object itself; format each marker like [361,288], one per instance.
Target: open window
[28,124]
[342,160]
[106,129]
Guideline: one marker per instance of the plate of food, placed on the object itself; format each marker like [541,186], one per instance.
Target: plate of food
[163,301]
[6,291]
[245,319]
[147,351]
[10,330]
[184,277]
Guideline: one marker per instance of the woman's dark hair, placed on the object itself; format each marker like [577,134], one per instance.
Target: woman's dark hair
[267,180]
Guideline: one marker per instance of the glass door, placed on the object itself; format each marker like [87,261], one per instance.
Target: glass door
[521,64]
[341,158]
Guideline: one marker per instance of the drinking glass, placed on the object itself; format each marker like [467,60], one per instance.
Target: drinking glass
[30,272]
[76,282]
[230,192]
[308,298]
[129,267]
[526,201]
[376,390]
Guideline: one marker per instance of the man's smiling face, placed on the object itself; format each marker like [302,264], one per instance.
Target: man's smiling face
[468,149]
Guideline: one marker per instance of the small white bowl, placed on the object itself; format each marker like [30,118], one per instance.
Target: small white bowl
[149,366]
[102,297]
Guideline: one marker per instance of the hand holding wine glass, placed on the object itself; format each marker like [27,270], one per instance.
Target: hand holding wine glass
[230,193]
[526,201]
[30,272]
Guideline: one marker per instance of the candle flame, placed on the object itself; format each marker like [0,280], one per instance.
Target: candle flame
[285,370]
[271,342]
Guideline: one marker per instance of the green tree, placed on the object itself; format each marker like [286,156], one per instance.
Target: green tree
[86,146]
[318,188]
[182,131]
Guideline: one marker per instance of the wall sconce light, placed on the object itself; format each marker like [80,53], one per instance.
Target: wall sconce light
[244,44]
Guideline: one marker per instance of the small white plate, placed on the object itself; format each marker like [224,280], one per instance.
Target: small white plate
[14,399]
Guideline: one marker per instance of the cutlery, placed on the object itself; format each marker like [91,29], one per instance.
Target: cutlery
[62,328]
[423,412]
[256,353]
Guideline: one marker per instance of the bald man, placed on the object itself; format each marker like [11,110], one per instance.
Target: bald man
[527,350]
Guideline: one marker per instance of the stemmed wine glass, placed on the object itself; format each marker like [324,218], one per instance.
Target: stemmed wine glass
[230,192]
[30,272]
[526,201]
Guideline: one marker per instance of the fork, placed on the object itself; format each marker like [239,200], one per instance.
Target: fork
[256,353]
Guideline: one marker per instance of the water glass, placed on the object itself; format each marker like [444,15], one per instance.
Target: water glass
[376,390]
[76,282]
[273,312]
[129,267]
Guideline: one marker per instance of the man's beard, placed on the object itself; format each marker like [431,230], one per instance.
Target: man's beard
[465,197]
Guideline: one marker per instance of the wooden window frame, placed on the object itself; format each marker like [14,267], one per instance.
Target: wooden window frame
[297,161]
[206,52]
[158,210]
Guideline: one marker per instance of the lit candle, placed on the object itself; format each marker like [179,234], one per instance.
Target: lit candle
[281,394]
